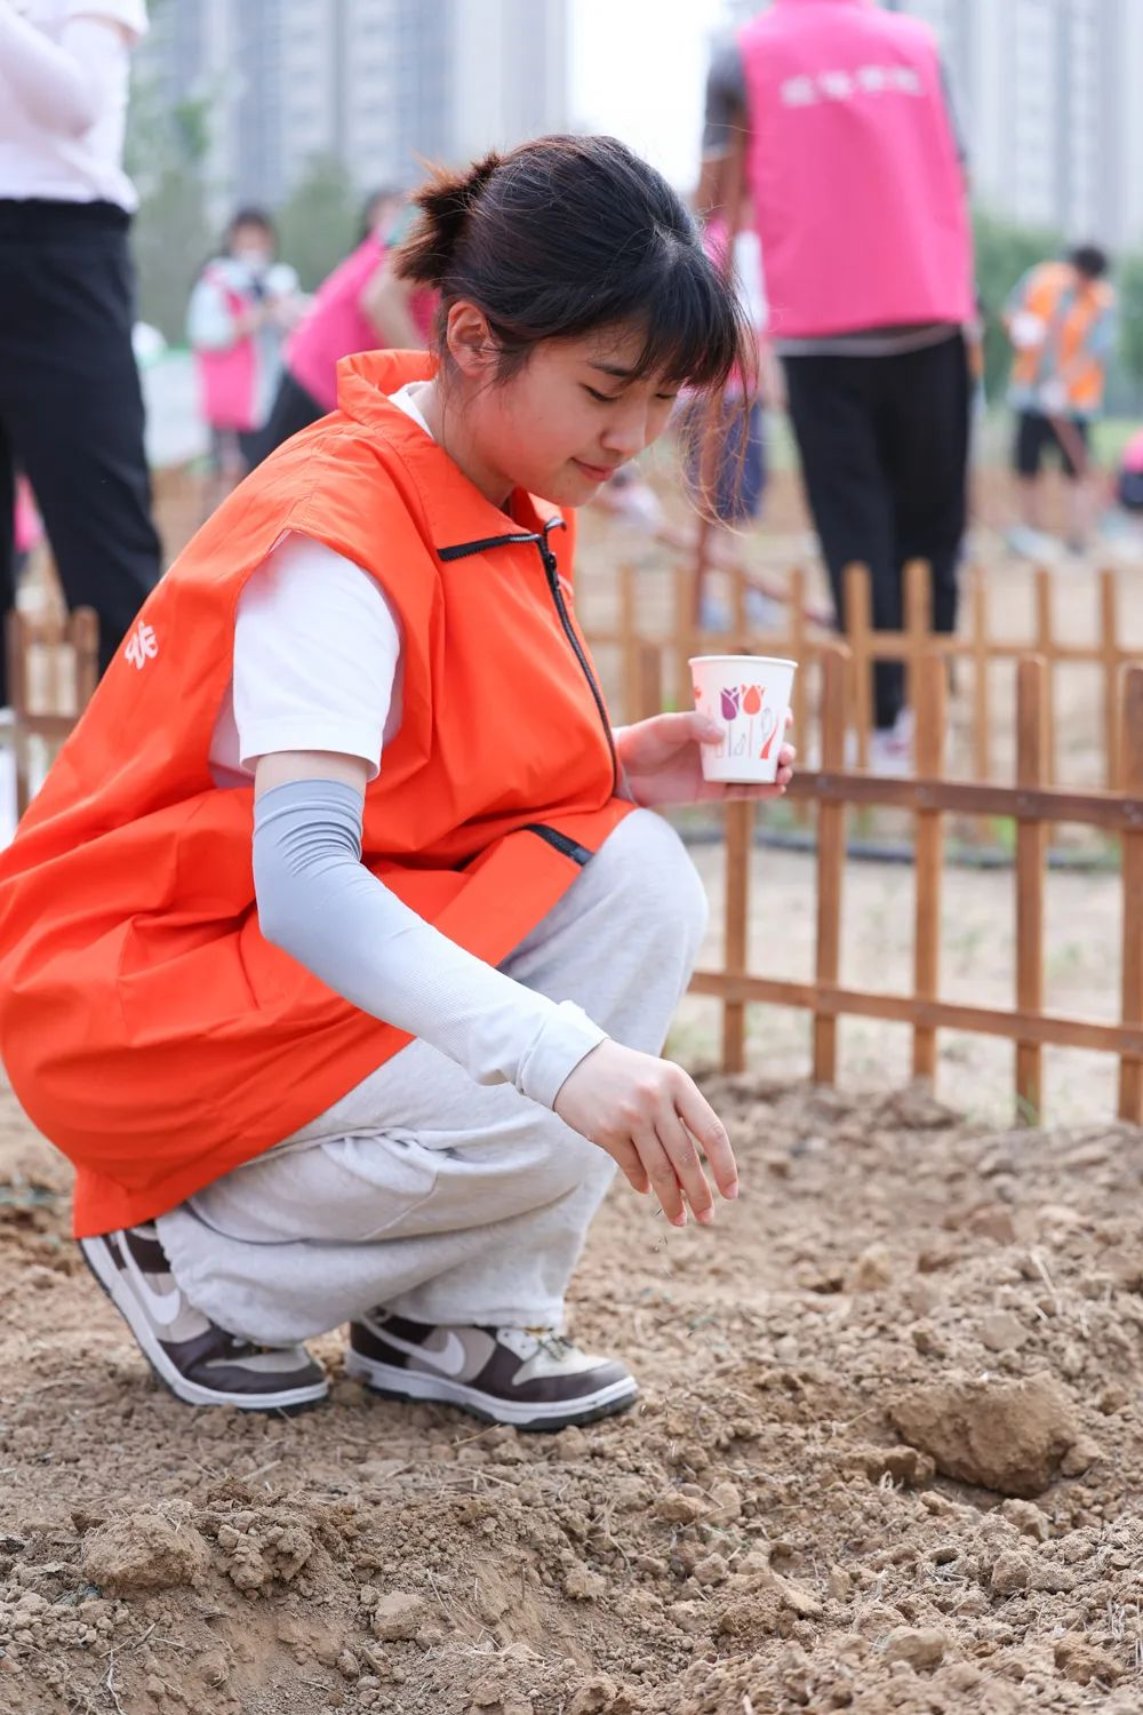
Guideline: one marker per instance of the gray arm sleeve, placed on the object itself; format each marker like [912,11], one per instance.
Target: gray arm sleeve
[318,902]
[725,99]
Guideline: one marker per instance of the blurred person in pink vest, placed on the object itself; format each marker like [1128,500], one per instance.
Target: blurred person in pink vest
[27,527]
[1129,482]
[243,305]
[361,306]
[854,165]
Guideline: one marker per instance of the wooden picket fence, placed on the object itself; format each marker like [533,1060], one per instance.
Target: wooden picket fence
[53,669]
[655,638]
[52,664]
[1034,804]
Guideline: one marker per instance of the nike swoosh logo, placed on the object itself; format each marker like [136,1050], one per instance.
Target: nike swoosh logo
[451,1362]
[161,1307]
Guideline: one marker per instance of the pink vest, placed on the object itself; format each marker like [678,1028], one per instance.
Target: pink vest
[858,194]
[335,325]
[29,531]
[228,379]
[1133,453]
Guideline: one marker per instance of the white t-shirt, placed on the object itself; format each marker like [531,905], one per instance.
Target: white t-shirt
[317,659]
[42,152]
[317,666]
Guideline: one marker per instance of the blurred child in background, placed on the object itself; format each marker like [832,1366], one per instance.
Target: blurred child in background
[242,307]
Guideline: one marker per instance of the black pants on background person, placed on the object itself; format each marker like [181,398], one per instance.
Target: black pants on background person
[884,451]
[294,409]
[71,408]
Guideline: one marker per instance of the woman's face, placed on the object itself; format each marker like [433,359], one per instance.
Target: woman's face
[252,245]
[570,417]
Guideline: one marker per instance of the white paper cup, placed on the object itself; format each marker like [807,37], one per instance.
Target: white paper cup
[749,696]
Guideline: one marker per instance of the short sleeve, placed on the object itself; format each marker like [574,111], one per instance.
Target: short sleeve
[316,654]
[132,14]
[725,99]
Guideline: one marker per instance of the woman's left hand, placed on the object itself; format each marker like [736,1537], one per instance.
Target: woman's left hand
[662,759]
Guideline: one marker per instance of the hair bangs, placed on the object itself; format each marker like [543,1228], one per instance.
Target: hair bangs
[695,330]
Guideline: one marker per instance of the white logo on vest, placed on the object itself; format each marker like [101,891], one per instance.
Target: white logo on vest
[142,646]
[807,91]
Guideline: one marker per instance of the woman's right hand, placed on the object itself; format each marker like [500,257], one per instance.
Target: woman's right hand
[650,1117]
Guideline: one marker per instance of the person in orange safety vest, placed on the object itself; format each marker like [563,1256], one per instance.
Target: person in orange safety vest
[339,948]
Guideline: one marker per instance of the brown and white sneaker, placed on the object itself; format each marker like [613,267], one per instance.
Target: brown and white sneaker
[531,1378]
[200,1362]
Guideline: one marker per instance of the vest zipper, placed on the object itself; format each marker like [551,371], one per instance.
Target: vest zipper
[461,550]
[562,843]
[551,567]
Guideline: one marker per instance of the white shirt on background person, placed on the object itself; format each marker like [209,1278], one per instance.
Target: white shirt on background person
[63,117]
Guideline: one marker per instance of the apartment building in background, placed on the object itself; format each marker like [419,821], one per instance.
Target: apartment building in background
[381,84]
[1048,95]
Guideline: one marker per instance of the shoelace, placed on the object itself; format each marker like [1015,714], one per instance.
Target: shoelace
[557,1346]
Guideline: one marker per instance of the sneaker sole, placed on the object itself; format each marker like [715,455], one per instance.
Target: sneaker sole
[392,1383]
[103,1267]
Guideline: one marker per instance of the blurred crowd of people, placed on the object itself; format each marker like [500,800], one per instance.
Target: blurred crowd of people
[833,180]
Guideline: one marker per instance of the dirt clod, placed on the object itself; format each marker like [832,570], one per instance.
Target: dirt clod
[145,1551]
[923,1648]
[398,1615]
[1007,1436]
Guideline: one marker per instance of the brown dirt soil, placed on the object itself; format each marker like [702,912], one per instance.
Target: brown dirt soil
[901,1309]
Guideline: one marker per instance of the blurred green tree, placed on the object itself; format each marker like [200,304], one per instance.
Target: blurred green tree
[1129,278]
[320,221]
[1004,253]
[166,157]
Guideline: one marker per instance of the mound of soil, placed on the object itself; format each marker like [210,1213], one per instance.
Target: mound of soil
[887,1459]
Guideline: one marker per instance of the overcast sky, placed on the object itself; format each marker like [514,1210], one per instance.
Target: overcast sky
[638,70]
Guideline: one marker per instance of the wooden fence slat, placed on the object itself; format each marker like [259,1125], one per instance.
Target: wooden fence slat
[629,627]
[16,642]
[981,688]
[1110,658]
[740,625]
[1131,979]
[1045,648]
[84,633]
[686,634]
[1031,854]
[830,861]
[739,831]
[1046,1028]
[799,698]
[918,632]
[859,637]
[1096,809]
[649,693]
[929,741]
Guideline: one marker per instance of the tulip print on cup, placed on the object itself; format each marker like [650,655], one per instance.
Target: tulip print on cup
[749,696]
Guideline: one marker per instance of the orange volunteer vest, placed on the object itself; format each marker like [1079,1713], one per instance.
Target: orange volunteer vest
[1068,316]
[147,1027]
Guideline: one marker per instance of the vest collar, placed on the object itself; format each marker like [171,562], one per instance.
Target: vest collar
[458,513]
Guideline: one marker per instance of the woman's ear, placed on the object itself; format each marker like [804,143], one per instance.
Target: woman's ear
[469,341]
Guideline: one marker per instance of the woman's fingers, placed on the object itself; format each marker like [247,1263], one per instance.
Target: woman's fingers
[708,1130]
[682,1152]
[664,1179]
[631,1166]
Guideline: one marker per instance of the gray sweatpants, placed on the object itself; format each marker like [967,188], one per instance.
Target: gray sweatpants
[428,1194]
